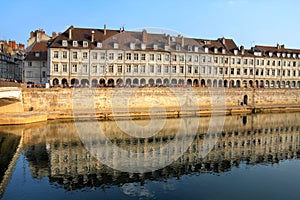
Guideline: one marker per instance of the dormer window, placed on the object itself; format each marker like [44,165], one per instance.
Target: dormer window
[223,51]
[294,55]
[85,44]
[235,52]
[190,49]
[116,45]
[132,46]
[177,47]
[278,55]
[270,54]
[206,49]
[143,46]
[167,48]
[288,55]
[99,44]
[299,55]
[155,47]
[283,55]
[196,49]
[75,43]
[215,50]
[64,43]
[37,54]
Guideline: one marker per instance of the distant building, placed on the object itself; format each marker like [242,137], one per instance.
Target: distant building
[36,69]
[96,57]
[11,57]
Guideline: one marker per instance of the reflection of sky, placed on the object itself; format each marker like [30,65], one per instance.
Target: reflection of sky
[279,181]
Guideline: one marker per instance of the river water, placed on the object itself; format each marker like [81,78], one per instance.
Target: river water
[232,157]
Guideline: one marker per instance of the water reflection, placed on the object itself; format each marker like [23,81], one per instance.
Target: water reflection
[56,151]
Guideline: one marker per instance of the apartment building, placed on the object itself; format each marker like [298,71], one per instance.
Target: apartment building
[90,57]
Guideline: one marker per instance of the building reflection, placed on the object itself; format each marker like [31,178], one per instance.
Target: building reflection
[56,151]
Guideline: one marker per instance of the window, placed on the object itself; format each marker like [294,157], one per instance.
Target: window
[120,56]
[75,55]
[238,61]
[246,61]
[261,72]
[196,59]
[181,69]
[44,64]
[232,61]
[116,45]
[257,62]
[111,56]
[226,61]
[203,70]
[29,64]
[151,69]
[55,54]
[189,69]
[75,43]
[94,55]
[84,55]
[143,69]
[102,56]
[251,62]
[238,71]
[136,56]
[95,69]
[174,58]
[37,54]
[44,74]
[84,68]
[209,59]
[215,70]
[232,71]
[111,69]
[189,58]
[257,72]
[278,63]
[102,69]
[181,58]
[99,45]
[64,54]
[159,57]
[85,44]
[273,72]
[166,69]
[143,56]
[64,43]
[74,68]
[220,70]
[136,69]
[64,68]
[262,62]
[29,74]
[245,71]
[158,69]
[215,59]
[174,69]
[289,63]
[128,69]
[151,57]
[128,56]
[167,57]
[196,70]
[273,63]
[55,67]
[120,69]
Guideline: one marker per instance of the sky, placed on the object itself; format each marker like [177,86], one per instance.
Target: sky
[248,22]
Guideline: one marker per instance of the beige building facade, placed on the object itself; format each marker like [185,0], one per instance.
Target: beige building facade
[86,57]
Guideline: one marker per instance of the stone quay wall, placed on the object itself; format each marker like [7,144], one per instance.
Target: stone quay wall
[63,103]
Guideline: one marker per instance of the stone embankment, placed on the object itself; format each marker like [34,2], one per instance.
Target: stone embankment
[109,103]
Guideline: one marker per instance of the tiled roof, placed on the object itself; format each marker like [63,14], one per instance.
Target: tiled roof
[271,51]
[40,47]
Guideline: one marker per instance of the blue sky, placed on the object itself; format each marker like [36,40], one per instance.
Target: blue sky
[248,22]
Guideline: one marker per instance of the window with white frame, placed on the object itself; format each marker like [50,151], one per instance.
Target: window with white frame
[151,68]
[120,56]
[65,68]
[143,56]
[167,57]
[95,69]
[135,69]
[181,69]
[158,69]
[55,67]
[151,57]
[120,69]
[84,55]
[74,68]
[174,69]
[143,69]
[65,54]
[85,44]
[111,69]
[135,56]
[128,69]
[84,68]
[102,56]
[111,56]
[75,43]
[75,55]
[64,43]
[55,54]
[128,56]
[166,69]
[94,55]
[159,57]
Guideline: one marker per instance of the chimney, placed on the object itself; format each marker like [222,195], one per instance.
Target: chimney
[93,36]
[182,41]
[10,44]
[278,46]
[242,50]
[169,40]
[144,36]
[223,41]
[31,34]
[70,32]
[104,31]
[14,45]
[53,35]
[282,46]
